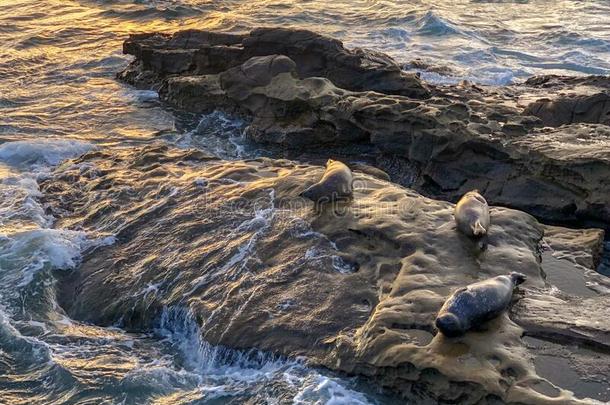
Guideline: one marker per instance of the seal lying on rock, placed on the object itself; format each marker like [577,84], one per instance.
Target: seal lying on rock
[336,184]
[470,306]
[472,215]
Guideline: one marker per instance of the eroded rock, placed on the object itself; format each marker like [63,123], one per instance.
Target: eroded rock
[566,325]
[354,287]
[307,92]
[571,100]
[203,52]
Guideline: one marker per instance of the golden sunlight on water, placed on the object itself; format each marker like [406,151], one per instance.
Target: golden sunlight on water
[146,222]
[58,58]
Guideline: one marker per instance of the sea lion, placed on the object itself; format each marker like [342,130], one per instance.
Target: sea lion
[472,215]
[470,306]
[335,184]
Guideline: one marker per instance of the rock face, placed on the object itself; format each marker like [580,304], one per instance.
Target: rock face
[201,52]
[571,100]
[307,92]
[354,288]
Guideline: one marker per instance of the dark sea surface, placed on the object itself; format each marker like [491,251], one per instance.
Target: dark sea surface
[59,99]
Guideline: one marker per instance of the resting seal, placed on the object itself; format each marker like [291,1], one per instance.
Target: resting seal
[336,184]
[470,306]
[472,215]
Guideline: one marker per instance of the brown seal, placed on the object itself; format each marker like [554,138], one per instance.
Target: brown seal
[335,184]
[472,215]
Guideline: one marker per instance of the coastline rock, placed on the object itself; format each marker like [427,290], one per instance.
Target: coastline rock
[354,288]
[580,246]
[569,350]
[307,92]
[202,52]
[571,100]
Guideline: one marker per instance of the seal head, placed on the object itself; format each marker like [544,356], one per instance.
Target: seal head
[450,325]
[518,278]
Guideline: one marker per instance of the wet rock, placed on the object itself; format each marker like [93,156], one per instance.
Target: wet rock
[370,170]
[562,319]
[431,66]
[305,91]
[570,100]
[364,280]
[203,52]
[185,92]
[563,170]
[584,371]
[566,326]
[579,246]
[593,109]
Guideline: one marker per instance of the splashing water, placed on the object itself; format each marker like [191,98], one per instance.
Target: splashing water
[59,99]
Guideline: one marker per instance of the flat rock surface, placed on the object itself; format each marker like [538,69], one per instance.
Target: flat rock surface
[355,287]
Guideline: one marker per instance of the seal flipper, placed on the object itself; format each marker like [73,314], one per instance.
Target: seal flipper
[478,229]
[311,193]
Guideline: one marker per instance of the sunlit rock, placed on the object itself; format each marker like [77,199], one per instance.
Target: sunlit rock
[354,288]
[304,91]
[202,52]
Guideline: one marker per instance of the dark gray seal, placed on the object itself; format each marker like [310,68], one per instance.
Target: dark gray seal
[470,306]
[335,185]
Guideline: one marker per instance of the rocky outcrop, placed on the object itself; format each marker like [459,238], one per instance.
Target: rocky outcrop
[570,100]
[202,52]
[354,287]
[307,92]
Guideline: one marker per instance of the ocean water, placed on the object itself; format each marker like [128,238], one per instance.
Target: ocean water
[59,99]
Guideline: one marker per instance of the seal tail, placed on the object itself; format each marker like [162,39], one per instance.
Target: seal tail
[478,229]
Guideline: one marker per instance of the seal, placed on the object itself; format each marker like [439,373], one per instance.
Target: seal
[472,215]
[335,184]
[477,303]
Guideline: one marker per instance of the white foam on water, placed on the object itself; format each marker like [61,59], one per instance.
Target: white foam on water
[338,263]
[321,390]
[31,250]
[489,76]
[229,372]
[201,182]
[143,96]
[27,241]
[19,206]
[27,349]
[434,25]
[258,225]
[218,133]
[178,325]
[22,163]
[159,377]
[42,152]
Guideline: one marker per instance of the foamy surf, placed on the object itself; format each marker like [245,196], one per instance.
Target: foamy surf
[227,373]
[216,132]
[27,241]
[57,72]
[41,152]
